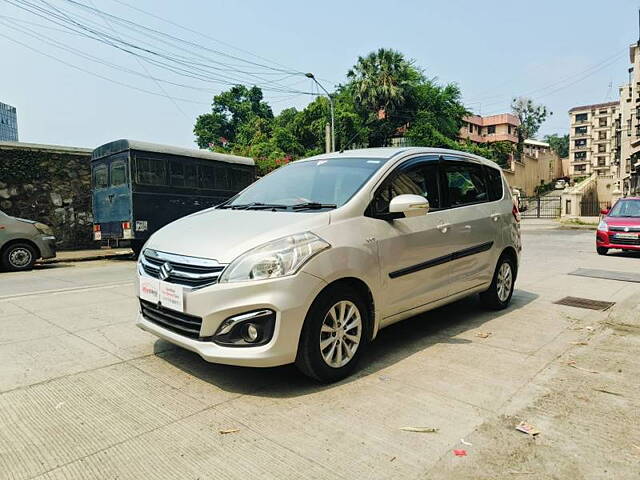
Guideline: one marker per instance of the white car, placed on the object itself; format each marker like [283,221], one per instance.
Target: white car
[310,262]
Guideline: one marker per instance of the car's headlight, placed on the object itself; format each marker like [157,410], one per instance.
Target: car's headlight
[602,226]
[278,258]
[43,229]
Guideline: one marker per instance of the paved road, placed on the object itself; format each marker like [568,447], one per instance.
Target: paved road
[84,394]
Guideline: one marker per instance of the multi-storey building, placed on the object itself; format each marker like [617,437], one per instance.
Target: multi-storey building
[494,128]
[629,132]
[592,139]
[8,123]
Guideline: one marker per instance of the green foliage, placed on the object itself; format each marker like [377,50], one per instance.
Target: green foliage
[559,144]
[531,117]
[385,96]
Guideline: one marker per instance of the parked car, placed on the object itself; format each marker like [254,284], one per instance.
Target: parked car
[620,226]
[560,185]
[310,262]
[22,242]
[139,187]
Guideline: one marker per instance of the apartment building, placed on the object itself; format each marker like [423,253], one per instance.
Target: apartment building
[8,123]
[593,143]
[493,128]
[629,132]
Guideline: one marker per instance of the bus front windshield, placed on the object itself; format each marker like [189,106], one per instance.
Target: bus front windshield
[317,183]
[626,208]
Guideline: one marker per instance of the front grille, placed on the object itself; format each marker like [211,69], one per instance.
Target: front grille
[622,229]
[181,323]
[188,271]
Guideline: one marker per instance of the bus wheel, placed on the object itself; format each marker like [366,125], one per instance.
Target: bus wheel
[136,246]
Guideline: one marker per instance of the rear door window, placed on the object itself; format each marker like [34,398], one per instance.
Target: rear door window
[465,183]
[118,173]
[100,176]
[494,182]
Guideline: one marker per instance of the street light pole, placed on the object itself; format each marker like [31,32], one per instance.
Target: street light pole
[333,129]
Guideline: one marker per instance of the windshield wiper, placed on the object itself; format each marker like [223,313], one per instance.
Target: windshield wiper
[313,206]
[256,206]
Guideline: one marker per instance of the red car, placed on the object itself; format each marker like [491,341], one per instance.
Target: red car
[620,226]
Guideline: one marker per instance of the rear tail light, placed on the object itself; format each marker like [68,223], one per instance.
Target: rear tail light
[126,225]
[516,213]
[96,227]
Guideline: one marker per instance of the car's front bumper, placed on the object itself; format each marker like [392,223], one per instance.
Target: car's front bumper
[289,297]
[607,240]
[47,246]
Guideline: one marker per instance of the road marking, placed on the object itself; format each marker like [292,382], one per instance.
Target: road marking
[65,290]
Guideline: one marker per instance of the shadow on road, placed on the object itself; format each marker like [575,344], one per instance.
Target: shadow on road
[392,345]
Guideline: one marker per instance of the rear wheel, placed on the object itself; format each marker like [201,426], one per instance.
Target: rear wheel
[19,256]
[136,246]
[335,333]
[602,250]
[498,295]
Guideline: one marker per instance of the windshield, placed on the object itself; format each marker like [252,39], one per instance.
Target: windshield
[626,208]
[321,183]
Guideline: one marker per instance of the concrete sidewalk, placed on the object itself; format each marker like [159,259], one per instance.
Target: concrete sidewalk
[86,255]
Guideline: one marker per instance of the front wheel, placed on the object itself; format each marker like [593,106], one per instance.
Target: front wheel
[19,257]
[498,296]
[602,250]
[335,333]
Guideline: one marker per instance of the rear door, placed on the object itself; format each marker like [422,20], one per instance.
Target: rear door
[111,192]
[473,229]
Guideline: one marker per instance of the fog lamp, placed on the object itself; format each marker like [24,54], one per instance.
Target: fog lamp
[251,333]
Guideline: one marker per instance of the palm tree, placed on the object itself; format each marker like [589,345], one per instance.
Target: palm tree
[381,81]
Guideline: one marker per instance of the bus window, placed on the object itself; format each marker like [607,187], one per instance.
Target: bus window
[118,173]
[221,178]
[176,173]
[190,176]
[207,176]
[151,171]
[100,176]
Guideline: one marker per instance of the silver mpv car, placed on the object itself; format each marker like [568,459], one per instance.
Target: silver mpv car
[310,262]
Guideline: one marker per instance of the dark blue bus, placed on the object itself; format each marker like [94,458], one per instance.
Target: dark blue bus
[138,187]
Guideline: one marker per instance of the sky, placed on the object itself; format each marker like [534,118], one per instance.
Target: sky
[560,53]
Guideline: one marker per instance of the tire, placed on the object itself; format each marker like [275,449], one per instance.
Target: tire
[320,328]
[19,257]
[498,295]
[602,250]
[136,246]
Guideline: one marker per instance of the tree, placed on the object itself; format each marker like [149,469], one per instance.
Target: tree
[531,117]
[559,144]
[229,111]
[382,86]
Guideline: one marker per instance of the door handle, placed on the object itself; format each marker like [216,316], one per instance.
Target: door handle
[444,227]
[467,228]
[495,216]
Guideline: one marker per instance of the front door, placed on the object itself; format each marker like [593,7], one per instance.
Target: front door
[413,251]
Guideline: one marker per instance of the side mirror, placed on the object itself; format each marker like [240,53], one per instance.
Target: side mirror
[604,211]
[409,205]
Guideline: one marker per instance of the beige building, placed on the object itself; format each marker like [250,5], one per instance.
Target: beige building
[629,131]
[592,139]
[494,128]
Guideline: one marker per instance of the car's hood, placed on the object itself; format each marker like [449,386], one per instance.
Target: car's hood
[622,221]
[223,235]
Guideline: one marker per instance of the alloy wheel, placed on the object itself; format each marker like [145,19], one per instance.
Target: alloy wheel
[504,281]
[340,334]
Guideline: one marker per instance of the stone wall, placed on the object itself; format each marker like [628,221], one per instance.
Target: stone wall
[49,184]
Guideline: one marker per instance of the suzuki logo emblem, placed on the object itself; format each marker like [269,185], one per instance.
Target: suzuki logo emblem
[626,229]
[165,271]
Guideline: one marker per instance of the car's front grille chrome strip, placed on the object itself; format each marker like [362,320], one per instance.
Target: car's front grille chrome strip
[191,272]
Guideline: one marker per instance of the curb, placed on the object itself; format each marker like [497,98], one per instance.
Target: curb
[87,258]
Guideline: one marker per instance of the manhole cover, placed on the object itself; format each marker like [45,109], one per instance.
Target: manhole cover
[584,303]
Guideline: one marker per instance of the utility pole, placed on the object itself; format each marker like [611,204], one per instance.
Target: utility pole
[333,127]
[327,138]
